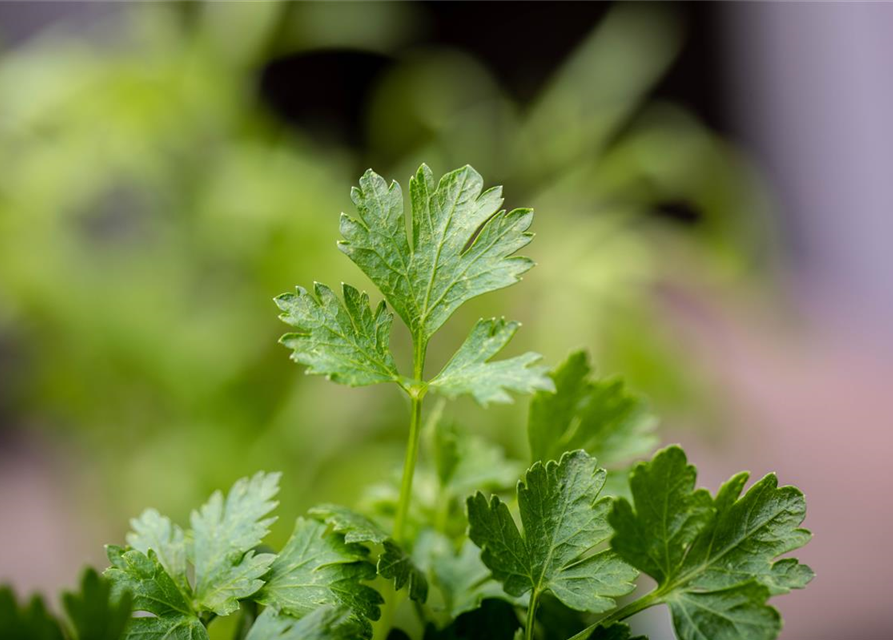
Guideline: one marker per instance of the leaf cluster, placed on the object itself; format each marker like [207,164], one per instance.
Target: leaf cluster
[182,580]
[480,547]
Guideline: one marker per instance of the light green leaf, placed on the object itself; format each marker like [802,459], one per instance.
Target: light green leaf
[601,416]
[166,628]
[463,580]
[155,531]
[466,462]
[470,372]
[344,341]
[326,623]
[317,568]
[92,611]
[713,558]
[393,562]
[563,523]
[224,534]
[461,243]
[155,592]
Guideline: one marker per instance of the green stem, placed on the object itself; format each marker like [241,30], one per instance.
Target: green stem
[531,615]
[416,393]
[631,609]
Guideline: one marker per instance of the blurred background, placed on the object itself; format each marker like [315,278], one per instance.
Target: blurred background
[714,216]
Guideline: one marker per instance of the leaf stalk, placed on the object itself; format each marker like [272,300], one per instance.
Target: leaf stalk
[416,394]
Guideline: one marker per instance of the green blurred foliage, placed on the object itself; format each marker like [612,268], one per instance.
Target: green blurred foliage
[151,205]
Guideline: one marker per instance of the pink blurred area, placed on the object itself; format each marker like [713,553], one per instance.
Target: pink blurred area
[810,391]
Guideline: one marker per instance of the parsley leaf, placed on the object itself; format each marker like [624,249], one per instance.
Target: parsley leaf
[326,623]
[93,612]
[224,532]
[220,548]
[463,580]
[564,522]
[32,622]
[469,372]
[461,243]
[713,558]
[155,592]
[601,416]
[316,569]
[345,341]
[466,462]
[393,562]
[155,531]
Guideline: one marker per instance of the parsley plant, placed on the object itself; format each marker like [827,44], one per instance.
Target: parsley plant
[480,553]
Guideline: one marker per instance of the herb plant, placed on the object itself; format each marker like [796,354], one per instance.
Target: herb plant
[477,552]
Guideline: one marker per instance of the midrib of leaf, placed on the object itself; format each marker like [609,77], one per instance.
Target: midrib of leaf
[666,529]
[472,262]
[360,348]
[548,561]
[687,576]
[692,623]
[427,310]
[405,273]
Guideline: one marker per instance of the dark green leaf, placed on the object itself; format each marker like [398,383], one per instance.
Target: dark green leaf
[393,562]
[317,568]
[32,622]
[713,558]
[563,524]
[155,592]
[601,416]
[93,613]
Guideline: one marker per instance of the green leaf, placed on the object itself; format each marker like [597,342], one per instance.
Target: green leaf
[32,622]
[316,569]
[393,562]
[461,243]
[669,514]
[93,613]
[224,534]
[470,372]
[344,341]
[155,592]
[166,628]
[734,612]
[563,522]
[326,623]
[463,580]
[601,416]
[466,462]
[155,531]
[713,558]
